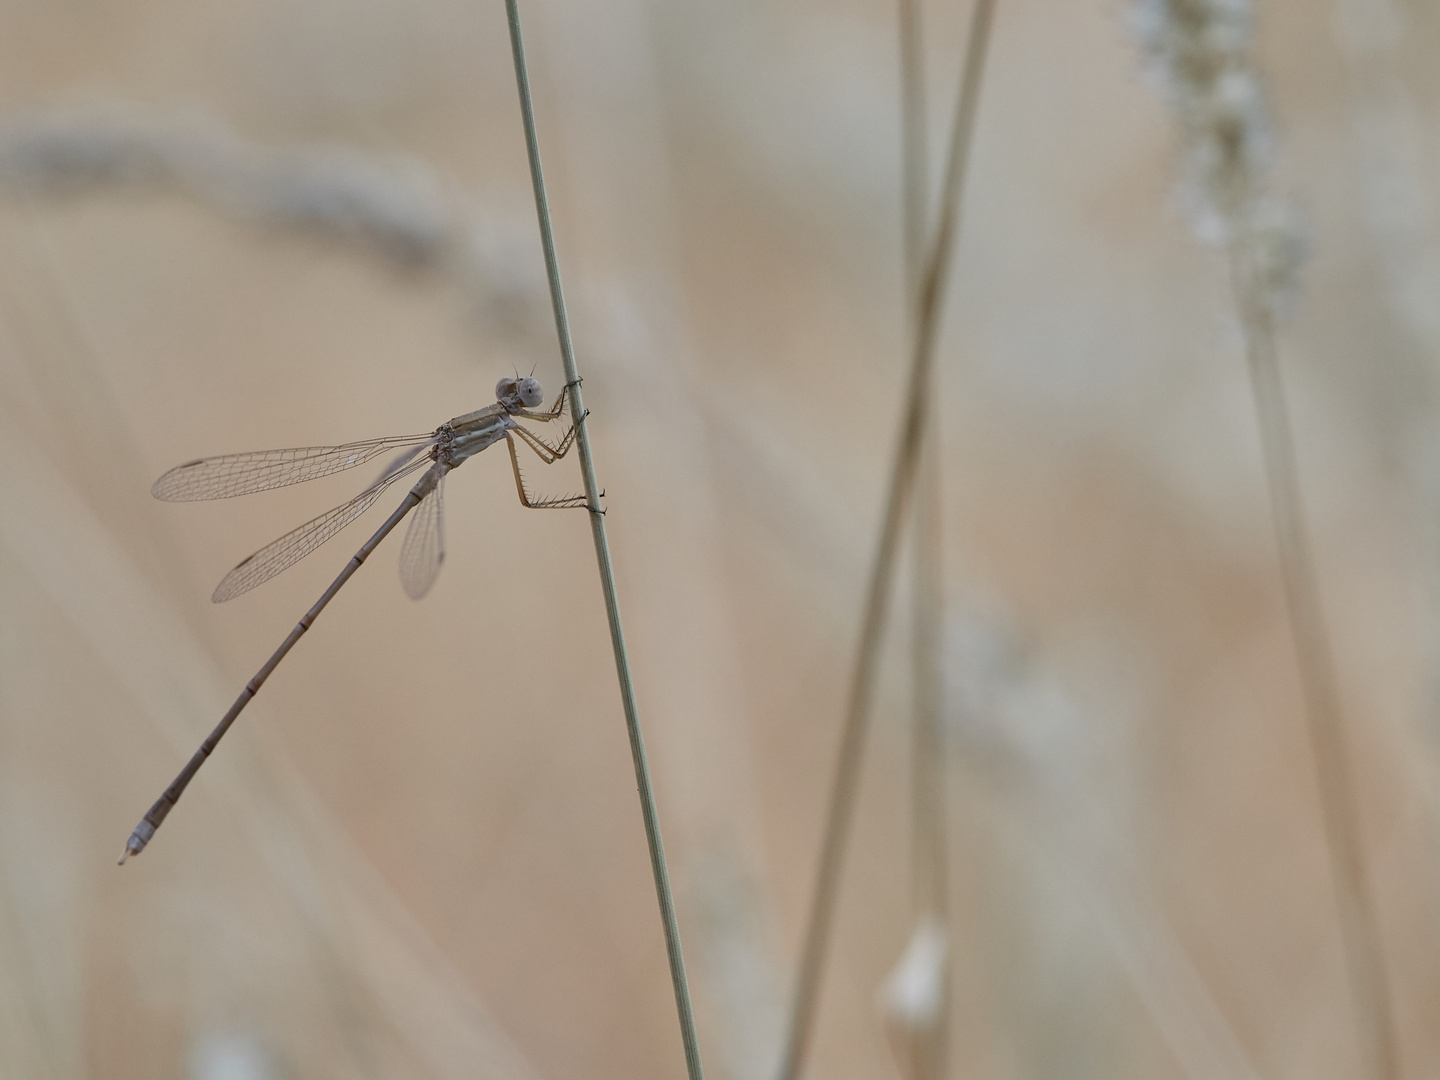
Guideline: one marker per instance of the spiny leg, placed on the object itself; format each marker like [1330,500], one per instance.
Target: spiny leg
[558,503]
[547,451]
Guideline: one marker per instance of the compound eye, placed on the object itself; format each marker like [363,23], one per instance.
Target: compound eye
[530,393]
[505,387]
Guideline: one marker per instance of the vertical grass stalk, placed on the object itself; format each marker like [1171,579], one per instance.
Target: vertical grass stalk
[1199,51]
[1359,930]
[928,302]
[929,859]
[602,556]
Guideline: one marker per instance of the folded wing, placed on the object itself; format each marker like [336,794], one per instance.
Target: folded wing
[424,548]
[289,549]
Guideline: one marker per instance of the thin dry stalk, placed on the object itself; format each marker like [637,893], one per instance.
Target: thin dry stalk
[914,151]
[929,882]
[928,299]
[928,862]
[1359,930]
[602,556]
[1199,50]
[929,858]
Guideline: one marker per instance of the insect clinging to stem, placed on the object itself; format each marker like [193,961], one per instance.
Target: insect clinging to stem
[446,448]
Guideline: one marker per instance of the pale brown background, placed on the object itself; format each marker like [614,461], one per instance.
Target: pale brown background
[420,853]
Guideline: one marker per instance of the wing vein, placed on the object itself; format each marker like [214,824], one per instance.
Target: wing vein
[423,551]
[228,475]
[285,551]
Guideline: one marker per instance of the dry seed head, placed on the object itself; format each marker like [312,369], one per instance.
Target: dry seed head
[393,208]
[1275,246]
[1199,54]
[913,994]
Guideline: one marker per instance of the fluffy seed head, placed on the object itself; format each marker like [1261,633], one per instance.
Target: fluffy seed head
[1198,52]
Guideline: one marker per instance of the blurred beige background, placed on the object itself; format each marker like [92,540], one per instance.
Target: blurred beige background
[420,852]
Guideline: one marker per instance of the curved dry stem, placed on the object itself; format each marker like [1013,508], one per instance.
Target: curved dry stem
[882,575]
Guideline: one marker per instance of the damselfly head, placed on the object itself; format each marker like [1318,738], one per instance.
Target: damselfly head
[529,391]
[524,392]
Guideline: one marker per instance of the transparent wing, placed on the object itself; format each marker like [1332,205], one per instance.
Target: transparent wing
[424,548]
[289,549]
[239,474]
[403,458]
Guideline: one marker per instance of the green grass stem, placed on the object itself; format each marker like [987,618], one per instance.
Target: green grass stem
[602,556]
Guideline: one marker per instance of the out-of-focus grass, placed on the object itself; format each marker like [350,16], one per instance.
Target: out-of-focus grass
[727,198]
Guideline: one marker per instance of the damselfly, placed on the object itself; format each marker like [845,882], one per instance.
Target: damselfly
[447,447]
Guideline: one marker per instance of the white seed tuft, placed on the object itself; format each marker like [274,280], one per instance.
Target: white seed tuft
[912,996]
[1199,55]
